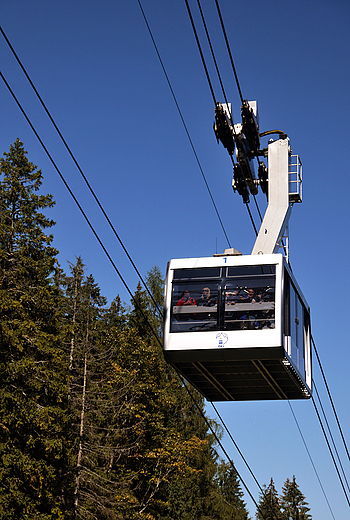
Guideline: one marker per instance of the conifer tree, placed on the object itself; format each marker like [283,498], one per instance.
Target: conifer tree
[140,317]
[269,504]
[32,362]
[155,284]
[171,460]
[293,502]
[233,505]
[92,398]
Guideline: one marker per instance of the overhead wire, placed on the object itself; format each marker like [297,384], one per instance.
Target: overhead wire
[228,458]
[238,87]
[214,59]
[330,398]
[229,51]
[263,134]
[241,98]
[331,435]
[183,122]
[154,333]
[330,451]
[236,446]
[72,195]
[79,168]
[208,77]
[200,51]
[222,89]
[311,460]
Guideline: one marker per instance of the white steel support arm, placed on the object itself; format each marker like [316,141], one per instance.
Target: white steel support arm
[279,208]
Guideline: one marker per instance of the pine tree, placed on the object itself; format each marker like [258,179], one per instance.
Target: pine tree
[155,284]
[293,502]
[233,505]
[32,362]
[92,397]
[170,462]
[140,317]
[269,504]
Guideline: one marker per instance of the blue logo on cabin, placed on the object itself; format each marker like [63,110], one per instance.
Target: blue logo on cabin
[222,339]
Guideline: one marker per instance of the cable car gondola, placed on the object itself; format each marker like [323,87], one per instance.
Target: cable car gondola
[238,327]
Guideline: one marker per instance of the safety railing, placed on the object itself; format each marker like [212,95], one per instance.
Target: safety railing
[295,178]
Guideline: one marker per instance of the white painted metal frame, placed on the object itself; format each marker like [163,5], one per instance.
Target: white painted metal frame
[279,208]
[228,339]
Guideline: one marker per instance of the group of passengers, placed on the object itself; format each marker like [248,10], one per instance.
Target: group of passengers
[230,298]
[203,301]
[251,320]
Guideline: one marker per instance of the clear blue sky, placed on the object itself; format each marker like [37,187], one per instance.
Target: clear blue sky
[96,68]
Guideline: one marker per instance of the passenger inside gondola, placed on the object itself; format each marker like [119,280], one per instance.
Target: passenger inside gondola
[205,300]
[251,296]
[186,299]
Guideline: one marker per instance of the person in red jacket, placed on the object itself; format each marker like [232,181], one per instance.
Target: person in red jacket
[186,299]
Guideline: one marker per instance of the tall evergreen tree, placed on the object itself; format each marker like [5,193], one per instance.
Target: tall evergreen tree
[32,362]
[293,502]
[140,317]
[269,504]
[155,284]
[174,465]
[231,494]
[92,398]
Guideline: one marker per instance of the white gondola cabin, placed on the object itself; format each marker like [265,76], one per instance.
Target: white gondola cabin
[238,327]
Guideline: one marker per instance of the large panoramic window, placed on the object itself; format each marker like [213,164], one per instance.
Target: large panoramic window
[233,298]
[297,326]
[249,295]
[195,299]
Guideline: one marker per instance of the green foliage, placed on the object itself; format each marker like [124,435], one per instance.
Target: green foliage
[293,502]
[269,504]
[32,361]
[93,423]
[290,505]
[231,493]
[164,448]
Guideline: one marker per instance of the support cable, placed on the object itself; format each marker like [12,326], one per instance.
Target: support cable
[80,170]
[257,207]
[77,202]
[312,462]
[236,446]
[331,436]
[330,398]
[221,446]
[156,336]
[251,218]
[330,451]
[200,52]
[183,122]
[216,65]
[229,50]
[221,82]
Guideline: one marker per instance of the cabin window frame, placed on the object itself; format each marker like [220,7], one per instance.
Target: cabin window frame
[187,316]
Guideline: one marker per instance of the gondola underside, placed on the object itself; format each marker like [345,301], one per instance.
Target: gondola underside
[241,379]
